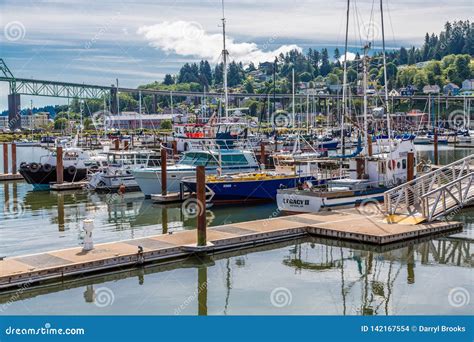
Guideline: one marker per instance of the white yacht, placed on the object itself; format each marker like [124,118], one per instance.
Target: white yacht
[231,161]
[117,172]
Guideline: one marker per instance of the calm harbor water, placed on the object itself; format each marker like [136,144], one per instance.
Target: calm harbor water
[308,276]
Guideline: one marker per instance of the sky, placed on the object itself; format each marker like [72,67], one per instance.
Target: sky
[139,41]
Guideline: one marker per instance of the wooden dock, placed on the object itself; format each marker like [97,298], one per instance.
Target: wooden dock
[339,225]
[68,186]
[7,177]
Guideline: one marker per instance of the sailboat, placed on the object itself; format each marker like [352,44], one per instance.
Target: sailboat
[373,169]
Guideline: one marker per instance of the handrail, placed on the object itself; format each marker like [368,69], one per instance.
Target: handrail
[429,174]
[447,185]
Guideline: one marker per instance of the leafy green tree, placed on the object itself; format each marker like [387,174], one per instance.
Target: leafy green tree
[168,80]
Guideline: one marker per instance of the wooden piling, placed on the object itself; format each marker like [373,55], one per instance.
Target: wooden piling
[262,154]
[5,158]
[59,165]
[174,145]
[117,144]
[410,166]
[14,158]
[369,144]
[201,203]
[125,145]
[164,185]
[435,146]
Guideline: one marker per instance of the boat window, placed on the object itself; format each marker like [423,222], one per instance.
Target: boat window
[398,165]
[234,159]
[404,163]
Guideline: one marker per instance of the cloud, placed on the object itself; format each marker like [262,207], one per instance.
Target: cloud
[188,38]
[350,57]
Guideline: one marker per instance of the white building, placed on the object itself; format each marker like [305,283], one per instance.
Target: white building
[34,121]
[468,84]
[4,123]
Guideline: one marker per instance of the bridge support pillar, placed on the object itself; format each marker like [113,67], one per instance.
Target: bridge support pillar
[14,118]
[113,101]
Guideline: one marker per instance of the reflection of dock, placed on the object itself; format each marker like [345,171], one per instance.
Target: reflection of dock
[347,225]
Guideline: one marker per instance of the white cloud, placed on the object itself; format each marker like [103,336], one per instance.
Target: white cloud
[350,57]
[188,38]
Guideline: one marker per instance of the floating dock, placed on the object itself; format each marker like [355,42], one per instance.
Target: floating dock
[348,225]
[68,186]
[7,177]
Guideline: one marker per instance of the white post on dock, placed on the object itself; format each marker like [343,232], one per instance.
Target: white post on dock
[88,228]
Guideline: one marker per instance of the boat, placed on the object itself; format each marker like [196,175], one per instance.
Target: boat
[77,163]
[230,160]
[117,175]
[290,171]
[384,170]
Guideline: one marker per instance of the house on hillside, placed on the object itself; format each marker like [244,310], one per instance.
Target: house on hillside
[451,89]
[431,89]
[393,92]
[468,84]
[408,90]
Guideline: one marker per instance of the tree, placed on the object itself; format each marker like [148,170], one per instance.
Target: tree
[234,76]
[205,73]
[60,123]
[305,77]
[248,87]
[325,66]
[168,80]
[166,124]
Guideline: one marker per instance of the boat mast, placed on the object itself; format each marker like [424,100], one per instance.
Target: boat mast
[366,126]
[389,128]
[344,81]
[224,57]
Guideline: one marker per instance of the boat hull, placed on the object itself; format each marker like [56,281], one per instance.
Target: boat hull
[41,179]
[251,190]
[297,201]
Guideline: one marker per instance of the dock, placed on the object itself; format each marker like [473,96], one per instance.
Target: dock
[7,177]
[68,186]
[350,225]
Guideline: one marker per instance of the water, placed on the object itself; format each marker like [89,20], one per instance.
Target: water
[308,276]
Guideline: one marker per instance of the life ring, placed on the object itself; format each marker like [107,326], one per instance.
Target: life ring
[47,168]
[71,169]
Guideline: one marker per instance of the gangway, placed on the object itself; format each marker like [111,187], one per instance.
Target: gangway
[433,194]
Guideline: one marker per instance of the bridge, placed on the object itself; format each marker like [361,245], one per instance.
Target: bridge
[439,193]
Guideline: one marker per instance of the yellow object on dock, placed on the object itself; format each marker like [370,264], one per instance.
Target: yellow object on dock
[404,219]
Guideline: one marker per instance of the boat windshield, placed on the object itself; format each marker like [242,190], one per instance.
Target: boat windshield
[198,159]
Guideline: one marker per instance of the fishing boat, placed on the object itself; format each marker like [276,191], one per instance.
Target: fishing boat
[77,163]
[117,175]
[229,160]
[290,171]
[369,177]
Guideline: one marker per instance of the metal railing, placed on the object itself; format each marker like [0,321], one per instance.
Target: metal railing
[435,193]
